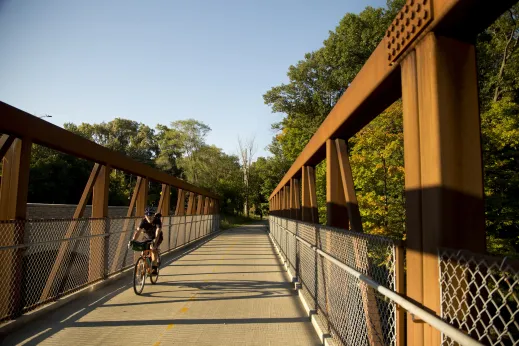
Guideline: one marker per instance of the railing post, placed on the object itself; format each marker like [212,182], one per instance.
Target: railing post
[400,288]
[98,259]
[13,206]
[450,168]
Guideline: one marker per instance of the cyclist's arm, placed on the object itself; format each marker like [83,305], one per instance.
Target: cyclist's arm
[137,233]
[157,233]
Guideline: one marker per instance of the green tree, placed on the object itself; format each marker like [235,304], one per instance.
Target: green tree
[500,133]
[189,135]
[56,177]
[377,161]
[315,85]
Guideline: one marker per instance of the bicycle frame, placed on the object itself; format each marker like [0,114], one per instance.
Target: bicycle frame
[146,255]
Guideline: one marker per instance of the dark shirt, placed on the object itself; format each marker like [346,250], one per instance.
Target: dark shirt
[150,228]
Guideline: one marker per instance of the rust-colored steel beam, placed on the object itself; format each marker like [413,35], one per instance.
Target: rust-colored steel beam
[16,122]
[377,85]
[142,198]
[165,206]
[309,200]
[450,159]
[336,210]
[13,205]
[181,200]
[5,144]
[206,205]
[78,213]
[161,198]
[413,197]
[199,205]
[341,192]
[126,223]
[464,19]
[191,204]
[295,209]
[98,255]
[348,185]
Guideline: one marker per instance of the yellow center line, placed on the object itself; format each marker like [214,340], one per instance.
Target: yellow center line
[162,334]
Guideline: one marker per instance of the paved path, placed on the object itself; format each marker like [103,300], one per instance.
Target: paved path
[231,290]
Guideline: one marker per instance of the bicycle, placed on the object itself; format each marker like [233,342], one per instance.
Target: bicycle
[143,266]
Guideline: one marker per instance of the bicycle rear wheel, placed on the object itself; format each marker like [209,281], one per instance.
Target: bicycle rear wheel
[139,276]
[154,278]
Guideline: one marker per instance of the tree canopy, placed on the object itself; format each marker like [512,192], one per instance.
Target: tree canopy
[315,84]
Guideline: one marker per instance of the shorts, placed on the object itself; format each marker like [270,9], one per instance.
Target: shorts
[147,237]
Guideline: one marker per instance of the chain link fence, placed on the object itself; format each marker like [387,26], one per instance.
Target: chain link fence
[349,310]
[480,295]
[43,259]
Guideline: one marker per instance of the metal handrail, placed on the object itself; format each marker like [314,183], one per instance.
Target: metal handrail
[436,322]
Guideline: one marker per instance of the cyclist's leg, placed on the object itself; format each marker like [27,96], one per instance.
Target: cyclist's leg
[153,259]
[155,252]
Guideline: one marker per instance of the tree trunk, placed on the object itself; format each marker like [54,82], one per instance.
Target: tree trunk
[497,92]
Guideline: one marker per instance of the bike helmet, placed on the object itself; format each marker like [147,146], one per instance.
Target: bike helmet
[148,212]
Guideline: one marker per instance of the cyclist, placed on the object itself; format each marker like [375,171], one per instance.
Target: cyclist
[151,227]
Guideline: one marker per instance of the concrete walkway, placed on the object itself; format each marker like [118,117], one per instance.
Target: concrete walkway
[231,290]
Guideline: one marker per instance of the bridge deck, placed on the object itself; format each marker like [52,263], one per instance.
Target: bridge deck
[231,290]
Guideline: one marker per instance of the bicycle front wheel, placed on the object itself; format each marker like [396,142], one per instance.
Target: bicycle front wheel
[139,276]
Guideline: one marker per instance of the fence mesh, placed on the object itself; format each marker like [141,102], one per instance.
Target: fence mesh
[480,295]
[43,260]
[350,311]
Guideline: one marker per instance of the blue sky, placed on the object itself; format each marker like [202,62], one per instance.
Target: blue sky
[160,61]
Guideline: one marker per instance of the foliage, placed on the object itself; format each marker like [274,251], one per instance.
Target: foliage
[54,176]
[230,220]
[377,161]
[179,149]
[314,86]
[376,152]
[500,132]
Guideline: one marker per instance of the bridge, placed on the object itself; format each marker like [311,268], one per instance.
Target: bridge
[291,280]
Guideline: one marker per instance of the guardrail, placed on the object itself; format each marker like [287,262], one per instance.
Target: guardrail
[351,280]
[60,256]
